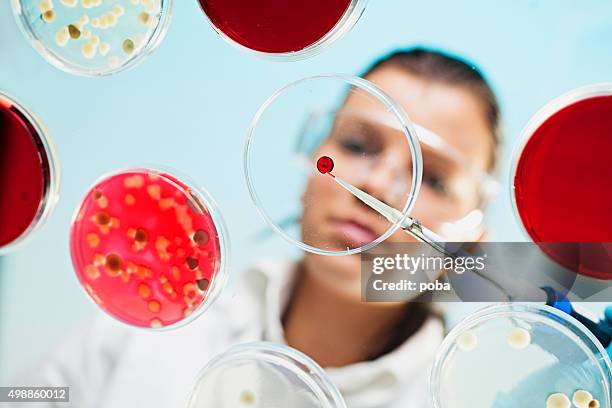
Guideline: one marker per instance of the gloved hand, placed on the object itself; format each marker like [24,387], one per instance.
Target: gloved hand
[560,377]
[608,317]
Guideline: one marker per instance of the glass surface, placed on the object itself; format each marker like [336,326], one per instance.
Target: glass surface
[509,347]
[264,375]
[378,156]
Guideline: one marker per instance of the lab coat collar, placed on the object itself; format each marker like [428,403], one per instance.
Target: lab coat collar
[369,383]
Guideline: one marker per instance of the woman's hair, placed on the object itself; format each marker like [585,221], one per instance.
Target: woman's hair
[444,68]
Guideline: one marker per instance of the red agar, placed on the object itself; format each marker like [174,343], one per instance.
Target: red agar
[24,173]
[563,186]
[275,26]
[144,248]
[325,164]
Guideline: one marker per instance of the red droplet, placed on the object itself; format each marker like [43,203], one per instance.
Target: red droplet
[325,164]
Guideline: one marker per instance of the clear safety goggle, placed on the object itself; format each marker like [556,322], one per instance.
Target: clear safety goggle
[364,139]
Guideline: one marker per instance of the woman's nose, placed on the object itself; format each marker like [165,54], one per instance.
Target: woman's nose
[388,180]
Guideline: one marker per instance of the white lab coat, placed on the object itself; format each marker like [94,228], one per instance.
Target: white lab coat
[110,365]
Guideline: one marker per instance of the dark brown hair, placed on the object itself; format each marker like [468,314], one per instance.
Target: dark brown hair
[448,69]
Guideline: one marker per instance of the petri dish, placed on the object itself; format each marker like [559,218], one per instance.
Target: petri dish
[284,30]
[149,249]
[29,174]
[503,348]
[371,144]
[261,375]
[560,180]
[93,37]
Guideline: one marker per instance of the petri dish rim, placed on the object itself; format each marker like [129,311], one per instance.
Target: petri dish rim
[288,358]
[392,107]
[588,344]
[534,124]
[221,276]
[52,191]
[153,41]
[348,20]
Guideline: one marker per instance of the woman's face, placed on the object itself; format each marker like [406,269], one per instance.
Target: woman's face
[448,190]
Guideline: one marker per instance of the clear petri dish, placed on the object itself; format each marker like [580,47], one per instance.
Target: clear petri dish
[282,30]
[519,355]
[30,174]
[93,37]
[560,180]
[149,248]
[369,142]
[261,375]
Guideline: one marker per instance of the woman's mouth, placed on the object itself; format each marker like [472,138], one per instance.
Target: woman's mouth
[353,232]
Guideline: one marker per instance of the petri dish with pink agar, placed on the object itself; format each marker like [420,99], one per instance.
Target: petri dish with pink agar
[93,37]
[284,30]
[29,174]
[149,249]
[561,180]
[521,355]
[264,374]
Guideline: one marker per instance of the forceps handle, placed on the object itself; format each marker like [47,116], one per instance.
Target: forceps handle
[426,236]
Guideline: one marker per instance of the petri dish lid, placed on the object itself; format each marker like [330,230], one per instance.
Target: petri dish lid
[29,174]
[93,37]
[503,346]
[149,249]
[282,30]
[264,374]
[560,180]
[370,143]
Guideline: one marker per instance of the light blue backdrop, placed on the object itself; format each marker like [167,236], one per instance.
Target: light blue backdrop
[188,106]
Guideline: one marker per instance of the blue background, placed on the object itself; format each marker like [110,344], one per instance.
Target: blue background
[188,106]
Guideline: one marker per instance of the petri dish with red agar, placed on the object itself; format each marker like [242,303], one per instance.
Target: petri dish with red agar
[561,180]
[149,249]
[283,29]
[30,174]
[93,37]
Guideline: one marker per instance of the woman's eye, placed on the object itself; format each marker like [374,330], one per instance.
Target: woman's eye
[353,146]
[357,146]
[436,183]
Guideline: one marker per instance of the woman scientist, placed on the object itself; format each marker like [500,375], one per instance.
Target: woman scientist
[378,354]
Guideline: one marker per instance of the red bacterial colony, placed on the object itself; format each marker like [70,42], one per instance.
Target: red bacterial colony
[325,164]
[145,248]
[24,173]
[275,26]
[563,186]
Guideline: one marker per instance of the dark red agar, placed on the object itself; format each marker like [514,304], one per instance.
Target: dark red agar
[325,164]
[275,26]
[563,186]
[144,248]
[24,173]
